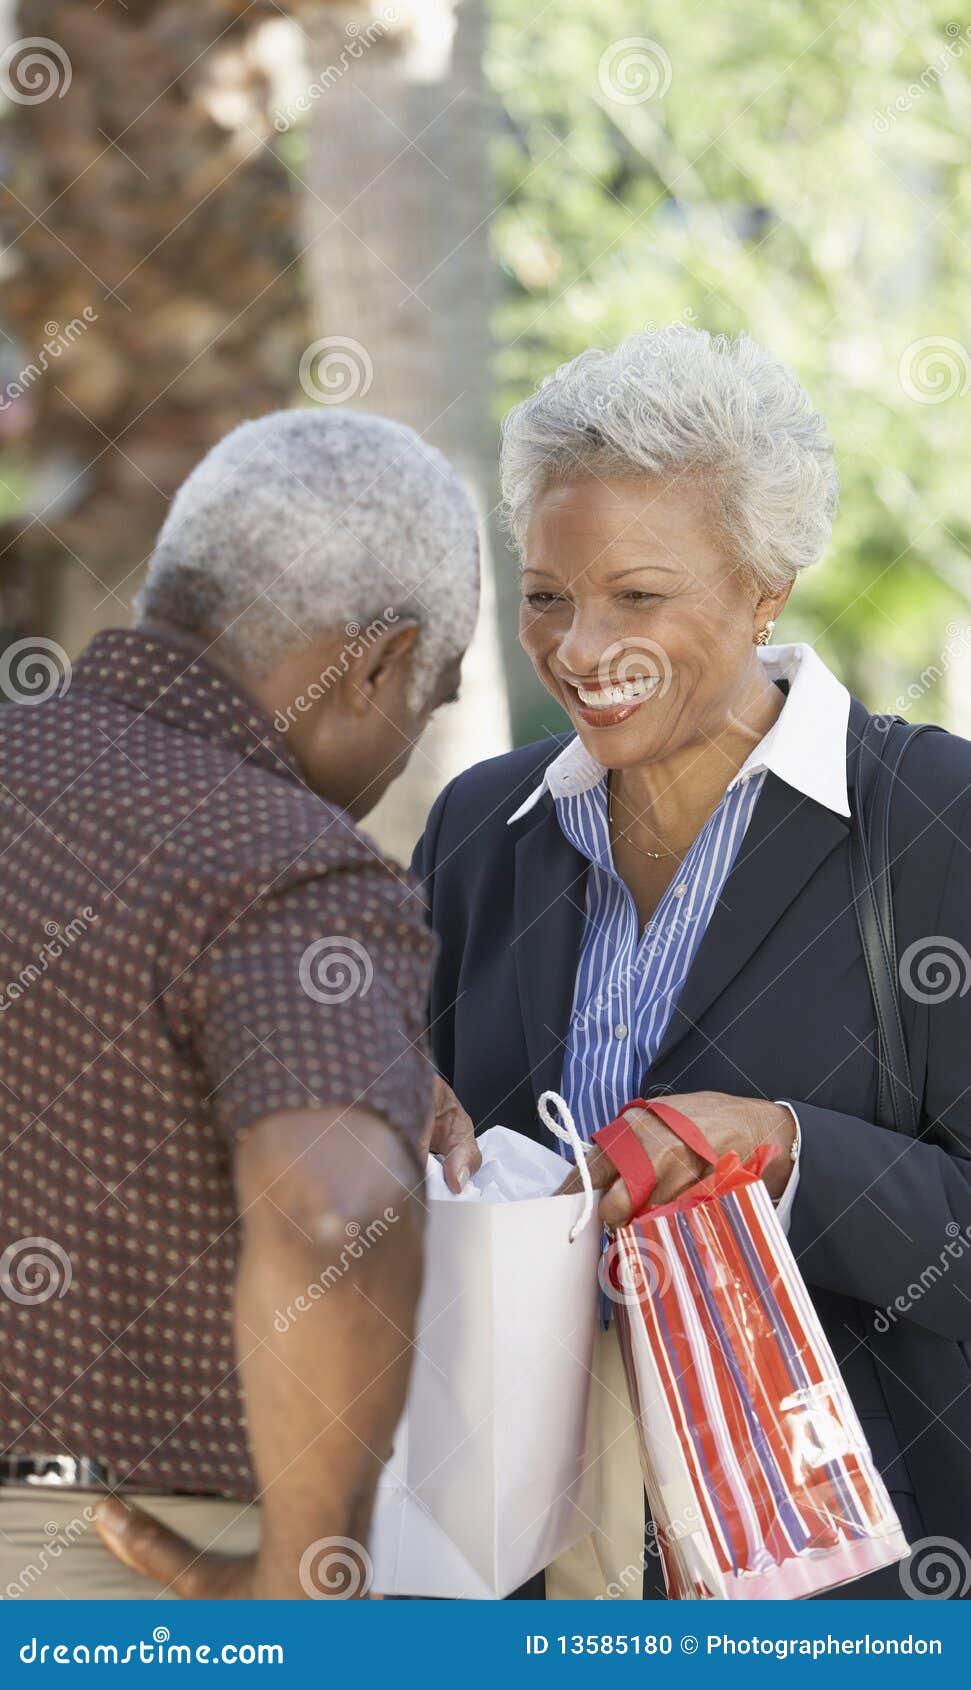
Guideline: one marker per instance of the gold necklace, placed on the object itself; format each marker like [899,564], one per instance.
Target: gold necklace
[621,833]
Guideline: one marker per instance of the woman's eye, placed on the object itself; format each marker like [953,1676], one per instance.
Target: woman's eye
[634,597]
[539,601]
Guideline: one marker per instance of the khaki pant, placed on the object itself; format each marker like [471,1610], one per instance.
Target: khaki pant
[50,1550]
[609,1564]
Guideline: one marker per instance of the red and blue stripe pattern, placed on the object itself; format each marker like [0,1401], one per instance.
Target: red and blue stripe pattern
[757,1470]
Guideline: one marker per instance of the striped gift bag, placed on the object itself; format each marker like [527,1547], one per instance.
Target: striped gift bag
[756,1468]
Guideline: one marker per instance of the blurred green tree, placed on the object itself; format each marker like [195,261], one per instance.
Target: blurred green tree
[798,169]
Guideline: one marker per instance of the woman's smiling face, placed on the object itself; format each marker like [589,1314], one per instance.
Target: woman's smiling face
[634,617]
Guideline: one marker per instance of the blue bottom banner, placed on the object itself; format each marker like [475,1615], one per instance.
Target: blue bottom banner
[527,1643]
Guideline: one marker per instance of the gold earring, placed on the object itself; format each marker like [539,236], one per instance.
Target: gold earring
[764,635]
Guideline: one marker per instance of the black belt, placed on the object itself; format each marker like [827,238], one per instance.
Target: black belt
[71,1472]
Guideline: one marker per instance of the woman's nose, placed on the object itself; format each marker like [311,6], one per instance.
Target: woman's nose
[580,650]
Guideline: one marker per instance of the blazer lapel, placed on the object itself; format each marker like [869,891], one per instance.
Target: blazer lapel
[787,839]
[550,905]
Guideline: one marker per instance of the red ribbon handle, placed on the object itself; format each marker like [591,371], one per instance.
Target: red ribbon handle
[621,1143]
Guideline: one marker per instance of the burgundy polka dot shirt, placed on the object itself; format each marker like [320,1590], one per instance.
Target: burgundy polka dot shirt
[189,940]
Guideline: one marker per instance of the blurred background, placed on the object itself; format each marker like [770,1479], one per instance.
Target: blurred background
[213,208]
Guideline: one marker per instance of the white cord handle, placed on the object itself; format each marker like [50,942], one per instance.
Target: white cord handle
[566,1130]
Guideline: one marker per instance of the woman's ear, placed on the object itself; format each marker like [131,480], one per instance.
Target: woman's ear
[769,609]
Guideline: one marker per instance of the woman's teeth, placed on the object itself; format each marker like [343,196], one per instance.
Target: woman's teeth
[624,692]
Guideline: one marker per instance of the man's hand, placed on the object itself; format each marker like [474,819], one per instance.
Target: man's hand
[453,1137]
[728,1123]
[148,1547]
[326,1289]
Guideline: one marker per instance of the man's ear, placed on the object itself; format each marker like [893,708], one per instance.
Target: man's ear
[382,661]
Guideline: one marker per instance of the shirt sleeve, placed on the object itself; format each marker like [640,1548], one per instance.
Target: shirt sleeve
[783,1208]
[316,997]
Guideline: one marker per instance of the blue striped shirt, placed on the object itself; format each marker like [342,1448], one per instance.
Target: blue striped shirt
[628,979]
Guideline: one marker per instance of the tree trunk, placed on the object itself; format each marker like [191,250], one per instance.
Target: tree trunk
[396,222]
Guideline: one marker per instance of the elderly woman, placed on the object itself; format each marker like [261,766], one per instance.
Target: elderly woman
[660,901]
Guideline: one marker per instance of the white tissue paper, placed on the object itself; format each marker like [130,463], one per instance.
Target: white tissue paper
[513,1169]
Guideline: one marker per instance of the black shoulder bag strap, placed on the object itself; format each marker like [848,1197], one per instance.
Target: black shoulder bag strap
[882,744]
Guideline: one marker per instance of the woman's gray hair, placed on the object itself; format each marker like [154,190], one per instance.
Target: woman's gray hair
[678,401]
[306,522]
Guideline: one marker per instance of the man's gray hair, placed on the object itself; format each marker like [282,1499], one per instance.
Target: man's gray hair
[305,522]
[680,402]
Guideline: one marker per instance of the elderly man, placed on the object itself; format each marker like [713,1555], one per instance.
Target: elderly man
[215,1095]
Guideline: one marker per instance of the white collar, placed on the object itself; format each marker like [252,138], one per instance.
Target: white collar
[805,746]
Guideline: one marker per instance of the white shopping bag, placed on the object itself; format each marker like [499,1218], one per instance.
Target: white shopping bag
[488,1481]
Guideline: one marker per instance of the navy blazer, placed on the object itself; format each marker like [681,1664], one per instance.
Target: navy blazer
[777,1005]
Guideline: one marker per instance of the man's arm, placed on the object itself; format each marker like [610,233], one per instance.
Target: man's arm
[321,1096]
[326,1290]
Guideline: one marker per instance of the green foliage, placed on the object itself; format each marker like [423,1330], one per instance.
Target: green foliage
[804,175]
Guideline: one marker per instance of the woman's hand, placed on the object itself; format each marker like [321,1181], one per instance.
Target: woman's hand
[728,1123]
[452,1137]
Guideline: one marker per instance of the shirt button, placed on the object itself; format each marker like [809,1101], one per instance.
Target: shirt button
[681,889]
[620,1031]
